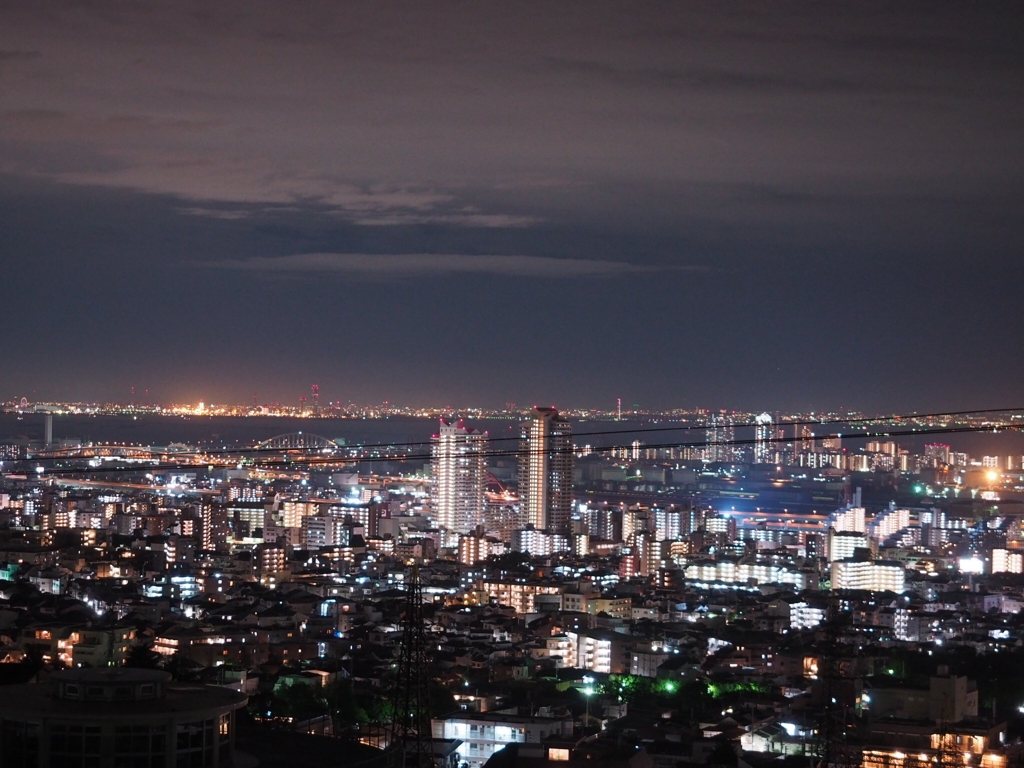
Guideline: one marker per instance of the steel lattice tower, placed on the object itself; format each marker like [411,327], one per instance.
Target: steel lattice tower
[947,753]
[411,743]
[833,748]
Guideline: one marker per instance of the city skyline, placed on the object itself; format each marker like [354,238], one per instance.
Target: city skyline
[718,205]
[329,409]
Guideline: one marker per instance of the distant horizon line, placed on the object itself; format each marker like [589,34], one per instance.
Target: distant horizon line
[336,409]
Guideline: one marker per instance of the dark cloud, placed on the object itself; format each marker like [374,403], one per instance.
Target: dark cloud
[722,80]
[850,177]
[17,55]
[398,266]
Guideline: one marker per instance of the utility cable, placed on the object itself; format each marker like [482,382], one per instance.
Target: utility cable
[638,430]
[296,463]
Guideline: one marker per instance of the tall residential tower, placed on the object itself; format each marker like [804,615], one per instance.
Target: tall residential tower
[719,438]
[764,433]
[459,475]
[545,471]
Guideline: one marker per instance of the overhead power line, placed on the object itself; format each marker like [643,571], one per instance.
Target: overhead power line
[297,463]
[637,430]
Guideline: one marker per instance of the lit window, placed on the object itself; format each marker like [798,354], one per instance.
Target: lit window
[558,754]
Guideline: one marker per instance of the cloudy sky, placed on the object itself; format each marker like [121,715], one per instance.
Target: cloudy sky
[684,204]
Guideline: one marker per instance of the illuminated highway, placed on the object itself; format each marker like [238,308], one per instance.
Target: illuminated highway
[132,486]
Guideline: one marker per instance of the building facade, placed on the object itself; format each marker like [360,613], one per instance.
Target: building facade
[875,576]
[764,433]
[546,471]
[117,717]
[459,477]
[484,734]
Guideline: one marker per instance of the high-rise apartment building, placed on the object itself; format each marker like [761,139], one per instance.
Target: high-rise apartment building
[214,527]
[888,523]
[502,516]
[319,531]
[476,546]
[764,431]
[936,455]
[1006,561]
[719,436]
[849,519]
[877,576]
[603,522]
[545,470]
[668,524]
[459,475]
[804,439]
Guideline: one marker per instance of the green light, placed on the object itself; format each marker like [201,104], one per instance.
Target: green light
[670,687]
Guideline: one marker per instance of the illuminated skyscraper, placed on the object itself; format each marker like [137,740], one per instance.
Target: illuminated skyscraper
[214,527]
[459,475]
[805,442]
[719,438]
[763,434]
[936,455]
[545,470]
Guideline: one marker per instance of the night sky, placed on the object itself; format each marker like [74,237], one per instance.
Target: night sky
[785,205]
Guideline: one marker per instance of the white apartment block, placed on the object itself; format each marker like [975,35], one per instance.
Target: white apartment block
[865,574]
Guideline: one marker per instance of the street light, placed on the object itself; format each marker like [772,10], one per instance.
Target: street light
[588,692]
